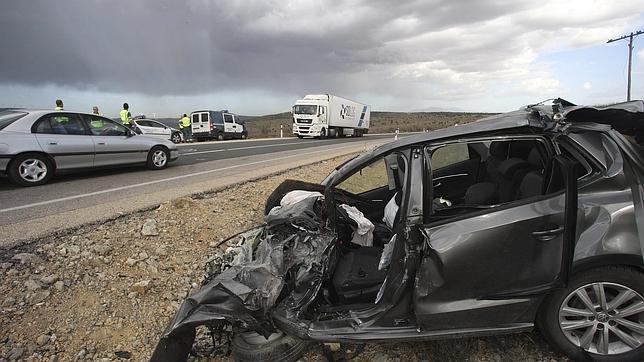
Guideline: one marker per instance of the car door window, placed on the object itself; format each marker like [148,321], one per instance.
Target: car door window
[60,123]
[449,155]
[100,126]
[368,178]
[228,118]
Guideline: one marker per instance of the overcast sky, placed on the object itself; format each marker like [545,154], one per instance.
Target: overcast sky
[258,56]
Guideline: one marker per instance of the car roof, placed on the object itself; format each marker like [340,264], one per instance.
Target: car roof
[535,117]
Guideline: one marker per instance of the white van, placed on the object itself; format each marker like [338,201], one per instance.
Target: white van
[219,125]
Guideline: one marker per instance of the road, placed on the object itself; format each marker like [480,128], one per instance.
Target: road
[75,199]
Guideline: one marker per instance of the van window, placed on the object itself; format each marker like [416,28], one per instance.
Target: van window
[228,118]
[204,117]
[195,118]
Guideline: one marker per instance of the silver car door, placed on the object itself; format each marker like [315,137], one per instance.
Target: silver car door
[160,130]
[66,138]
[115,144]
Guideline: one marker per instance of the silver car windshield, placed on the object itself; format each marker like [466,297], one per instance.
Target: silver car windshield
[8,117]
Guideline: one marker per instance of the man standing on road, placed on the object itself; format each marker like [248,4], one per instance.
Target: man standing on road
[59,105]
[125,114]
[184,124]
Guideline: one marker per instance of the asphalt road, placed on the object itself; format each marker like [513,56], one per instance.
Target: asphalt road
[198,162]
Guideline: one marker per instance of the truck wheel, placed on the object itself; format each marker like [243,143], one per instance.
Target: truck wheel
[300,136]
[31,169]
[598,317]
[323,133]
[252,347]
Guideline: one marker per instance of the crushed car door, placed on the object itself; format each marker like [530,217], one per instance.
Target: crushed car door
[489,268]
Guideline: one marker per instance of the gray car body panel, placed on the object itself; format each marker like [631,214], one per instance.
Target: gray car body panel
[71,152]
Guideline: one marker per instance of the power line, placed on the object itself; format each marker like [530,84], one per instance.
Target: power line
[630,57]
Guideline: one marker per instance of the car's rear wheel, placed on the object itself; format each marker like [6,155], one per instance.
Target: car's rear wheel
[599,316]
[158,158]
[30,170]
[250,346]
[176,137]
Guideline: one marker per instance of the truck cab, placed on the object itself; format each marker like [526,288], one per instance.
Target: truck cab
[219,125]
[310,118]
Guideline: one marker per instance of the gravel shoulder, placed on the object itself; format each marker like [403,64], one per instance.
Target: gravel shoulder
[105,291]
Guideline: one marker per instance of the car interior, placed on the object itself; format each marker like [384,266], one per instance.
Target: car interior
[467,177]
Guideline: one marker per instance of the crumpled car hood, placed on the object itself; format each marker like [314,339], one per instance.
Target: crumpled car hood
[280,264]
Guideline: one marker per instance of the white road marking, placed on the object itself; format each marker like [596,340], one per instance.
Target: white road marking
[158,181]
[244,148]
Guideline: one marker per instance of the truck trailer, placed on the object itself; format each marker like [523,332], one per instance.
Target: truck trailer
[326,115]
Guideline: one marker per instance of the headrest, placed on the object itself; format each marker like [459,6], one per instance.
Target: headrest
[499,149]
[534,158]
[510,166]
[483,193]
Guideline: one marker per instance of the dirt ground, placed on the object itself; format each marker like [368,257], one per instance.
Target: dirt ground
[106,291]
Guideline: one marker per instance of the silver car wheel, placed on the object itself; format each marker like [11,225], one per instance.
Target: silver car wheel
[159,158]
[603,318]
[32,170]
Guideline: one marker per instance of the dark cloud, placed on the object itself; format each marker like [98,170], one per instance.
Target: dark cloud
[198,46]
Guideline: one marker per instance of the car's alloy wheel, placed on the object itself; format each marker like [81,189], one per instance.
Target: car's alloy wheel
[30,170]
[33,170]
[158,158]
[603,318]
[176,138]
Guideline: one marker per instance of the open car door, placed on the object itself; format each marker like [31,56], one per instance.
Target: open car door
[488,268]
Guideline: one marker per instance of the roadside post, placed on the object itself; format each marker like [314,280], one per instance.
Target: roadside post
[281,131]
[396,135]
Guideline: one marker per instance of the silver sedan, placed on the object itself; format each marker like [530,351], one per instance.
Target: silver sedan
[35,144]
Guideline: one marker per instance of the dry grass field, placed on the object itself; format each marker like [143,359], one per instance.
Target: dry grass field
[381,122]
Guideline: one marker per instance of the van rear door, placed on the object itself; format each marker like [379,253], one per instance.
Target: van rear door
[200,122]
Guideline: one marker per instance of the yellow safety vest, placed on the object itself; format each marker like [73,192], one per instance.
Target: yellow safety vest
[124,117]
[96,123]
[185,122]
[58,109]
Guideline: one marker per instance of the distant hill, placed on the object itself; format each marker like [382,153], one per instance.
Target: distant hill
[381,122]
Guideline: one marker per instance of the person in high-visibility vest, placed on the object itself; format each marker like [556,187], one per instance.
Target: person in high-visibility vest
[125,115]
[59,105]
[185,124]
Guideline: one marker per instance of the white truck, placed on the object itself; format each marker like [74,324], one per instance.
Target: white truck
[326,115]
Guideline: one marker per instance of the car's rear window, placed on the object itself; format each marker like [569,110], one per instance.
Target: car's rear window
[8,117]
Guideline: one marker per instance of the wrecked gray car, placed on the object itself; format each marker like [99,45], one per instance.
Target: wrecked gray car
[530,218]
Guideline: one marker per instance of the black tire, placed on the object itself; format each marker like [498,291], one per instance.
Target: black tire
[156,160]
[323,133]
[176,137]
[300,136]
[548,316]
[220,137]
[33,163]
[244,136]
[252,347]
